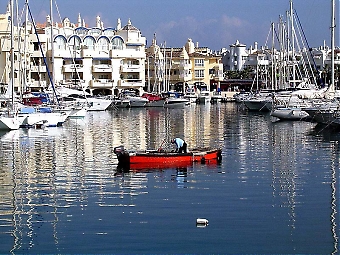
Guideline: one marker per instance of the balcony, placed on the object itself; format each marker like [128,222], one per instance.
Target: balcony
[127,53]
[130,68]
[37,54]
[130,83]
[102,83]
[72,68]
[102,68]
[217,77]
[185,66]
[38,69]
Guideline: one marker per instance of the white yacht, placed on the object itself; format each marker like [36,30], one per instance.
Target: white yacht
[216,97]
[9,122]
[41,115]
[204,97]
[175,100]
[191,95]
[135,100]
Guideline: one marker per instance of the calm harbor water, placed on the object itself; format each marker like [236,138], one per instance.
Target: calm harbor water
[276,190]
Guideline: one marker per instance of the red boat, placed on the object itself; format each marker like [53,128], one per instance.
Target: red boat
[156,159]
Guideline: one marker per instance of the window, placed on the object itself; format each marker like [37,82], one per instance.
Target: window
[103,76]
[117,43]
[132,62]
[199,62]
[36,46]
[89,42]
[199,73]
[74,42]
[60,42]
[103,43]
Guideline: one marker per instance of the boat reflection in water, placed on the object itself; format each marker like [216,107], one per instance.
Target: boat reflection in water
[151,167]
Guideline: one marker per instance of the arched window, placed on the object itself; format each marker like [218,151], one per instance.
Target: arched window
[103,43]
[89,42]
[109,32]
[81,31]
[74,42]
[95,31]
[60,42]
[117,43]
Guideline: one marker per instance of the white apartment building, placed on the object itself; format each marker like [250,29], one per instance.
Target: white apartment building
[177,68]
[101,60]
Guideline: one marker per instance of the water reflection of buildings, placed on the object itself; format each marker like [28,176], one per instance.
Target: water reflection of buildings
[148,128]
[48,176]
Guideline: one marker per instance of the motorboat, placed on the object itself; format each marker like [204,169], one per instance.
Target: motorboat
[191,95]
[9,121]
[92,103]
[259,102]
[37,116]
[156,158]
[120,102]
[154,100]
[175,100]
[289,113]
[216,97]
[204,97]
[135,100]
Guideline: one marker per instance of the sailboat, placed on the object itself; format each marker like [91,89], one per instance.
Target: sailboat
[328,113]
[291,105]
[9,119]
[50,115]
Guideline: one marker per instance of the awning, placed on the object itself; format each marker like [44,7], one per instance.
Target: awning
[107,58]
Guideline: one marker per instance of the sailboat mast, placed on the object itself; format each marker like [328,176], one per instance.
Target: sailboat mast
[25,78]
[332,41]
[12,53]
[52,44]
[292,40]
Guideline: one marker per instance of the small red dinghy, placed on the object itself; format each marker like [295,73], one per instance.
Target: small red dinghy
[159,158]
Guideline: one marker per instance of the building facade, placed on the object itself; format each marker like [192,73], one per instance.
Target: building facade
[176,68]
[98,59]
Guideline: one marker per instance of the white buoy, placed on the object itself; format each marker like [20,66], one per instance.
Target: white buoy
[201,221]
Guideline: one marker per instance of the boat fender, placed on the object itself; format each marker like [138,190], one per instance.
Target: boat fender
[202,221]
[203,160]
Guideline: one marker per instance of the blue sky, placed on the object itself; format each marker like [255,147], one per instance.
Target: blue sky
[211,23]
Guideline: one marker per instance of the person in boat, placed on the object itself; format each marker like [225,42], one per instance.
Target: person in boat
[181,145]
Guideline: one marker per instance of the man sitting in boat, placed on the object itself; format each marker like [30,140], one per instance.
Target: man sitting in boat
[181,145]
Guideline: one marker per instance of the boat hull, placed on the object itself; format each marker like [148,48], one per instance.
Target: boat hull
[170,159]
[289,114]
[9,123]
[256,105]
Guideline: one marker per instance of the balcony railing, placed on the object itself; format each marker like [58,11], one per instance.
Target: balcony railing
[101,83]
[101,68]
[130,83]
[130,68]
[73,68]
[38,68]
